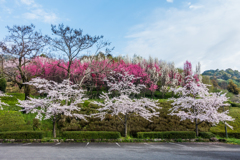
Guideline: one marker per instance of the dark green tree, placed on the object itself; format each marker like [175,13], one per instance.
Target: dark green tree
[3,84]
[232,87]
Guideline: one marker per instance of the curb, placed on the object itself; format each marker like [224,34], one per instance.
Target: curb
[108,140]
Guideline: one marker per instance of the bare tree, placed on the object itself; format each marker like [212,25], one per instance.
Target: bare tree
[22,44]
[71,42]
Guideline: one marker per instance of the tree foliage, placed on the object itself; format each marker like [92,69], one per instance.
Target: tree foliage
[232,87]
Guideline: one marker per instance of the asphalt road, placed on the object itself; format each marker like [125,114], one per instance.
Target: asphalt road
[132,151]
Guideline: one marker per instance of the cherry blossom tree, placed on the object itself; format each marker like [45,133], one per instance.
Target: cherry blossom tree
[123,104]
[197,104]
[62,99]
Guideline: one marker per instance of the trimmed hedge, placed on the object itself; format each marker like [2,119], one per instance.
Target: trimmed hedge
[206,134]
[21,135]
[90,135]
[230,134]
[168,135]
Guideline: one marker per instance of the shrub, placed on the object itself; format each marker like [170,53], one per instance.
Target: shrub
[168,135]
[36,124]
[206,135]
[90,135]
[3,84]
[21,135]
[233,104]
[230,134]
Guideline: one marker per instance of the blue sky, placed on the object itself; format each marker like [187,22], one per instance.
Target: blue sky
[171,30]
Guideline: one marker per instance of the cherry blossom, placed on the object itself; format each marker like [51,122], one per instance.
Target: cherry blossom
[62,99]
[124,104]
[197,104]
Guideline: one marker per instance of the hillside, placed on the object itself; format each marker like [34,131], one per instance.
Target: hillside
[223,74]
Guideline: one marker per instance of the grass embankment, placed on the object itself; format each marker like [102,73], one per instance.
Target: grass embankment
[46,125]
[235,113]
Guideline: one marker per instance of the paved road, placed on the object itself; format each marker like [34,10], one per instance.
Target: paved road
[132,151]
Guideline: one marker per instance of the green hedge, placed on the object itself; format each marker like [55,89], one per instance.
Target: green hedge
[167,135]
[233,104]
[230,134]
[90,135]
[21,135]
[206,134]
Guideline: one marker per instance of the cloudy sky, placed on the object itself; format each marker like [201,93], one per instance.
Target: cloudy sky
[206,31]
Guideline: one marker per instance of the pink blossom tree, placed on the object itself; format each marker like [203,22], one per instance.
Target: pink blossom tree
[123,105]
[62,99]
[197,104]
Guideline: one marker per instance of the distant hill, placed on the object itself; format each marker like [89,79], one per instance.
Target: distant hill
[223,74]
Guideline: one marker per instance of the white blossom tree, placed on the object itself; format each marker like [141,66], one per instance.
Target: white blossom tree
[164,78]
[62,99]
[197,104]
[123,104]
[173,76]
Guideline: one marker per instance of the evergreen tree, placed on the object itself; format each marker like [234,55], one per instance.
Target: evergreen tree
[232,87]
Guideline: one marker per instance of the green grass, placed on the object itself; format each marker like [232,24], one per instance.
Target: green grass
[235,113]
[233,141]
[12,101]
[46,125]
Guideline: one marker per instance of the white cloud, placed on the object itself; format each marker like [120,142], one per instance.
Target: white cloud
[210,35]
[36,12]
[28,2]
[170,1]
[42,15]
[195,6]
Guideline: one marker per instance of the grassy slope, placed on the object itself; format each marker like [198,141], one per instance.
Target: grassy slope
[235,113]
[46,125]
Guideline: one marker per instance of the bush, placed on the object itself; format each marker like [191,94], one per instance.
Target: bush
[233,104]
[36,124]
[168,135]
[230,134]
[12,121]
[90,135]
[3,84]
[21,135]
[206,135]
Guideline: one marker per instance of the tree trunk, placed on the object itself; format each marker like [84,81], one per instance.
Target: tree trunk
[152,94]
[163,94]
[196,123]
[27,91]
[54,127]
[172,94]
[125,123]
